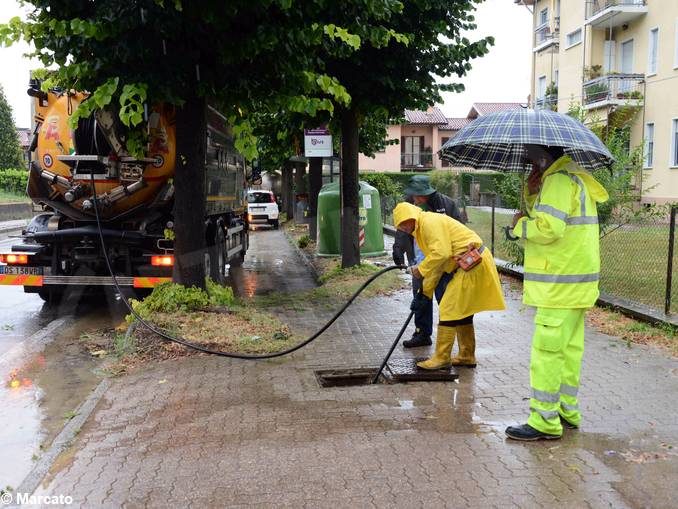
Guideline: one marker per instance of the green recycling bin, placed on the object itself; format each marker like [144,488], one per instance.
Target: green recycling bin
[329,221]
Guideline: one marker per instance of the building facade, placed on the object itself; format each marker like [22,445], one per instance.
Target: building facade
[618,59]
[420,138]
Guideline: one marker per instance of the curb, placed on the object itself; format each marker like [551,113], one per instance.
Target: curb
[306,259]
[64,439]
[632,309]
[34,344]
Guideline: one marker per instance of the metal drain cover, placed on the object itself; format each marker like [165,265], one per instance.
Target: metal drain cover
[406,370]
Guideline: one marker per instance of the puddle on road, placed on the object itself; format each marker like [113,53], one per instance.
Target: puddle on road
[41,394]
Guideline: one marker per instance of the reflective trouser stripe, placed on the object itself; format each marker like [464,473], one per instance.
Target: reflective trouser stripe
[568,389]
[555,365]
[546,397]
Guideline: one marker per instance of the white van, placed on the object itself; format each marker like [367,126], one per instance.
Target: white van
[262,208]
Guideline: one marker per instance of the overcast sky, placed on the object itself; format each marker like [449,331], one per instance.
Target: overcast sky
[501,76]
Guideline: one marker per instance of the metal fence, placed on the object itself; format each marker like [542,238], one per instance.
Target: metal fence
[638,257]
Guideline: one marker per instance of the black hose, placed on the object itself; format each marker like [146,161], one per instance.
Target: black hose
[203,349]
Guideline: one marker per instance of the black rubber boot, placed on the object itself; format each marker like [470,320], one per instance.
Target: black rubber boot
[417,339]
[527,433]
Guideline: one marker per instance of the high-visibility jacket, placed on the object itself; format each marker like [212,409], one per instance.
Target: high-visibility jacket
[441,238]
[561,235]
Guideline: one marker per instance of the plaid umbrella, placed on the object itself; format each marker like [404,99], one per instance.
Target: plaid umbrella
[497,141]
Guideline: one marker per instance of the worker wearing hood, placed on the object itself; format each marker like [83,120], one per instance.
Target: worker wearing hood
[562,265]
[442,239]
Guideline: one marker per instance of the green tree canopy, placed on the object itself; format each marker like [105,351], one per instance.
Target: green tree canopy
[10,148]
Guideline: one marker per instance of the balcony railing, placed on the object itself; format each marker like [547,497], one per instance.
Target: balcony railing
[416,160]
[545,36]
[548,102]
[613,13]
[614,89]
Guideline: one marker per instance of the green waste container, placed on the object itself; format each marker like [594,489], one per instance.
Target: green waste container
[329,221]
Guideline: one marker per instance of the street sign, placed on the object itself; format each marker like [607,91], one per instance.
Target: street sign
[317,143]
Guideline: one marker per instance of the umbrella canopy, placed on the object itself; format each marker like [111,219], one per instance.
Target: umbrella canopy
[497,141]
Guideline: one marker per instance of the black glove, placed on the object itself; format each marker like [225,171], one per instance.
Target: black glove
[398,255]
[419,302]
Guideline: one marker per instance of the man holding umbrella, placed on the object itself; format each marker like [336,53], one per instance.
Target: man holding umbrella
[562,264]
[561,236]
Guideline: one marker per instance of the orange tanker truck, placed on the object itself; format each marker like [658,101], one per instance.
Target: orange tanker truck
[60,247]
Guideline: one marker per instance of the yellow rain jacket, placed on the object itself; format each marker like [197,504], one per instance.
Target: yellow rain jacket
[441,238]
[562,253]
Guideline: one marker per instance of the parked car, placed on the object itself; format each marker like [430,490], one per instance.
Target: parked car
[262,208]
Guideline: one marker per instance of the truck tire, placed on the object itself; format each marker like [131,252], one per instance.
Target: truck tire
[217,254]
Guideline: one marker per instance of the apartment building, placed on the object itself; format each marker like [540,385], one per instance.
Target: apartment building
[618,59]
[421,136]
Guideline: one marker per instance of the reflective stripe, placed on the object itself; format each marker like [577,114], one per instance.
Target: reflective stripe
[524,230]
[545,397]
[562,278]
[558,214]
[546,414]
[582,220]
[569,390]
[582,193]
[569,408]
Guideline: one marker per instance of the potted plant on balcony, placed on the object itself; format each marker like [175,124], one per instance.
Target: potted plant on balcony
[596,92]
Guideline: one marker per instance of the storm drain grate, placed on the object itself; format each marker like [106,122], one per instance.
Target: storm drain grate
[396,371]
[406,370]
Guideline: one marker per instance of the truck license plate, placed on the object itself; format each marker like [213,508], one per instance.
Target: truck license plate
[20,271]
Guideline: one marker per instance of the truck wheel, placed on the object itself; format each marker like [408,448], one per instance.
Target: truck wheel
[275,223]
[217,256]
[51,295]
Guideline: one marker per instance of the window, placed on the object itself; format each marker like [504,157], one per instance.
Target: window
[444,140]
[541,88]
[674,143]
[649,144]
[574,38]
[675,48]
[543,17]
[653,47]
[555,77]
[627,57]
[411,148]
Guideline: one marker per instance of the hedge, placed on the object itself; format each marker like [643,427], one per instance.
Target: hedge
[13,180]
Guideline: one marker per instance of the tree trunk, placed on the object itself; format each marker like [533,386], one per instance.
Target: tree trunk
[315,182]
[288,190]
[189,198]
[300,188]
[350,249]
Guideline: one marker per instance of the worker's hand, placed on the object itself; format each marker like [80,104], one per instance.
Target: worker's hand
[419,302]
[517,216]
[415,272]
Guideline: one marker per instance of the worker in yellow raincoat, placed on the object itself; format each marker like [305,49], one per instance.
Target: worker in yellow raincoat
[443,240]
[562,265]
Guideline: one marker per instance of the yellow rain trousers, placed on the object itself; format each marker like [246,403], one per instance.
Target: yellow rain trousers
[562,265]
[441,238]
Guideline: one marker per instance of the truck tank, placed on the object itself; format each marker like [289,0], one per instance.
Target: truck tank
[60,247]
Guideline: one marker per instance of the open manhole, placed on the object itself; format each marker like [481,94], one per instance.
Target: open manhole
[396,371]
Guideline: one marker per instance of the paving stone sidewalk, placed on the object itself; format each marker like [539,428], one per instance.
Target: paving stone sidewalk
[212,432]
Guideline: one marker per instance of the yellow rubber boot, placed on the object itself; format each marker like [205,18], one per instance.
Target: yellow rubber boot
[466,335]
[441,356]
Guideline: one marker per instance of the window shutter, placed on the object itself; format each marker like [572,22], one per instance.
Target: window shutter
[402,144]
[421,144]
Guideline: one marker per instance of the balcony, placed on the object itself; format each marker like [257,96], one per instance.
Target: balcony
[546,36]
[416,160]
[614,90]
[613,13]
[548,102]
